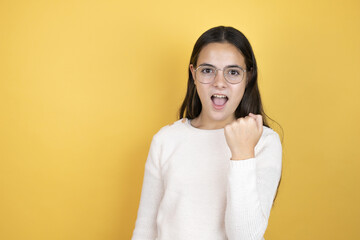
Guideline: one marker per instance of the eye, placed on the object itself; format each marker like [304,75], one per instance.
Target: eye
[233,72]
[207,70]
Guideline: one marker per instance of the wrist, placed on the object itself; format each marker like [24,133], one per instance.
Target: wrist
[242,156]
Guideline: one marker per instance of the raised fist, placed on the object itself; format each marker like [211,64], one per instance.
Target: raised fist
[242,135]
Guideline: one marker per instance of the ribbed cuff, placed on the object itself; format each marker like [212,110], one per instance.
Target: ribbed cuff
[245,164]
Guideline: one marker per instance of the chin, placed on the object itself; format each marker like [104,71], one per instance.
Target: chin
[220,116]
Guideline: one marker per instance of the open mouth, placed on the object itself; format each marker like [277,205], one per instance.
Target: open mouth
[219,100]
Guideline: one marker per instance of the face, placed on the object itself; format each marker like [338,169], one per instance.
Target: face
[219,99]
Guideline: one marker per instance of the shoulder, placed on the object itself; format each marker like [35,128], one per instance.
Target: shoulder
[269,132]
[269,150]
[168,138]
[269,137]
[171,131]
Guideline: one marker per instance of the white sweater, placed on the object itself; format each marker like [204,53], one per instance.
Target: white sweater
[193,191]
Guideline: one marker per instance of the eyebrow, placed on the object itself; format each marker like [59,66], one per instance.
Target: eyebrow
[210,65]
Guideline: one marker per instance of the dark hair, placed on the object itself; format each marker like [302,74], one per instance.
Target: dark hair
[251,100]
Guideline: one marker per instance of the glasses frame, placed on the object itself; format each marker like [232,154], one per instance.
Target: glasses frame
[217,69]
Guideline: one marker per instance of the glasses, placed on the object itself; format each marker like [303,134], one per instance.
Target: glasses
[206,74]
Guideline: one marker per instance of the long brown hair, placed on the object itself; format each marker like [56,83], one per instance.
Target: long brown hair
[251,100]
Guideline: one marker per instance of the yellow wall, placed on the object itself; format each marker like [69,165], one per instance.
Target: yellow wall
[85,84]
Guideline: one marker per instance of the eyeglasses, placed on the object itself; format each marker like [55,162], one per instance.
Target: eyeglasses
[206,74]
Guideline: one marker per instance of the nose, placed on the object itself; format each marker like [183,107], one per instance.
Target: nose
[219,80]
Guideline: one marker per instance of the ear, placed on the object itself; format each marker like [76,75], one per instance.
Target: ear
[192,69]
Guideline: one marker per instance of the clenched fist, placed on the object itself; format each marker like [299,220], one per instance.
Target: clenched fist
[242,135]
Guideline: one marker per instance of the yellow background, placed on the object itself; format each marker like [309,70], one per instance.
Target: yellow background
[84,85]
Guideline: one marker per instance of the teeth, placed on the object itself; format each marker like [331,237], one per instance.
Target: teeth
[219,96]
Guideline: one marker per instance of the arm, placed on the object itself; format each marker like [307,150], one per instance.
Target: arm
[151,195]
[252,185]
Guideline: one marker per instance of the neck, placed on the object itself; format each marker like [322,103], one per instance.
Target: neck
[204,122]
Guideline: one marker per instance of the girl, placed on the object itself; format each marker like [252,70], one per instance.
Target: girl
[214,173]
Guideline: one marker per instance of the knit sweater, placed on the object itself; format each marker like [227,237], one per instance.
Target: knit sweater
[193,191]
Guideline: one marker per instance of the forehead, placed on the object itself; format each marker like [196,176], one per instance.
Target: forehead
[220,55]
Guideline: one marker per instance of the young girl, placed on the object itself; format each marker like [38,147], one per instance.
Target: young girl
[214,173]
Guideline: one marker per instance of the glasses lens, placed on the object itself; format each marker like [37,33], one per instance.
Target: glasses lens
[205,74]
[234,74]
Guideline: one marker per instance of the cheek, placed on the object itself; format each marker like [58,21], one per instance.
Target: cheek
[202,92]
[238,94]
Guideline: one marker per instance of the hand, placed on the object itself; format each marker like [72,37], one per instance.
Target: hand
[242,135]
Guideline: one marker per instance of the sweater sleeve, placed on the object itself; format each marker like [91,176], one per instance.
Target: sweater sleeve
[151,195]
[252,185]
